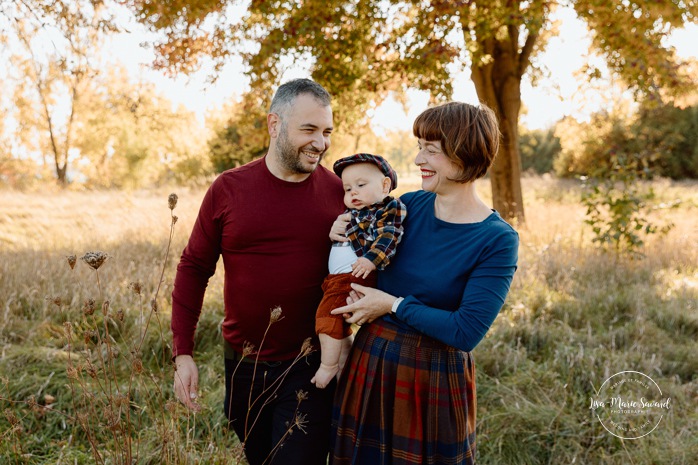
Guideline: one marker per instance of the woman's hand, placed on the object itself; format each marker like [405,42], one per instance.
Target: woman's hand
[365,305]
[339,228]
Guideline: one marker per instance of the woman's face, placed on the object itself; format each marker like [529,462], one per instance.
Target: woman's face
[436,168]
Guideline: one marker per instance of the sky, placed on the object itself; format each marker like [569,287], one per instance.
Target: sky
[557,95]
[560,93]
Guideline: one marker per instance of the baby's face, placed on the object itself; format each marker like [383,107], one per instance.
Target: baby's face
[364,185]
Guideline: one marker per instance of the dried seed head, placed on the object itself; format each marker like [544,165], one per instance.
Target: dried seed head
[68,326]
[91,370]
[57,301]
[11,417]
[89,335]
[72,373]
[31,402]
[88,308]
[247,349]
[275,315]
[111,419]
[172,201]
[307,347]
[171,406]
[121,400]
[301,395]
[120,315]
[301,422]
[105,308]
[95,259]
[137,366]
[165,436]
[154,305]
[136,287]
[72,259]
[174,219]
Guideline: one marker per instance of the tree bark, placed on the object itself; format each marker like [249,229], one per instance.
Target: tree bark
[498,85]
[61,172]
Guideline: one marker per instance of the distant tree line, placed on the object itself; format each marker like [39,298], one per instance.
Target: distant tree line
[72,116]
[663,138]
[128,136]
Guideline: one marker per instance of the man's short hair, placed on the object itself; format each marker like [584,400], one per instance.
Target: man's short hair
[288,91]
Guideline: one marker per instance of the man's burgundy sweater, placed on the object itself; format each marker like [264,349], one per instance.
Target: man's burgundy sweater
[273,237]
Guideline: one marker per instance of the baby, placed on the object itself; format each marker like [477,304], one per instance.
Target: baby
[374,231]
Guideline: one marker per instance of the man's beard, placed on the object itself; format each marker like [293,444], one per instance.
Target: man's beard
[290,156]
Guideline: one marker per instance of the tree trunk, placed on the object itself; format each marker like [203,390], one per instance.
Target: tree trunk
[58,155]
[505,175]
[61,174]
[498,85]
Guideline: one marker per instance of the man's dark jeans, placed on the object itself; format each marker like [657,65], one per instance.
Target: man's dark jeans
[275,416]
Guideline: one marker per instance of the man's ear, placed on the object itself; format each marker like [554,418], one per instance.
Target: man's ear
[273,125]
[386,185]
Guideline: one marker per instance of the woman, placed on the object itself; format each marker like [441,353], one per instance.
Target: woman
[407,392]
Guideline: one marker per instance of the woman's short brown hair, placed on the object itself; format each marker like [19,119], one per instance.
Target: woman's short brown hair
[469,136]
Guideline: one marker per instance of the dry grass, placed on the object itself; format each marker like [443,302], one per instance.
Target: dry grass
[72,219]
[574,316]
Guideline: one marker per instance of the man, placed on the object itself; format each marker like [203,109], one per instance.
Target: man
[270,221]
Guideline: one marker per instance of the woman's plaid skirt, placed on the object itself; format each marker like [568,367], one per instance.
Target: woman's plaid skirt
[404,398]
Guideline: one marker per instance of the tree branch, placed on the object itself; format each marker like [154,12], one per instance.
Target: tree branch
[513,29]
[525,55]
[513,32]
[40,85]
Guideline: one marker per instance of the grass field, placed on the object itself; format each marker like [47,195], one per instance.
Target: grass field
[77,387]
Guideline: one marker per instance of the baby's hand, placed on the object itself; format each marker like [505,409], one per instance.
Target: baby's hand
[339,228]
[362,267]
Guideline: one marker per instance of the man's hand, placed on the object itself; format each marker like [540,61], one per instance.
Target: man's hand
[186,381]
[362,267]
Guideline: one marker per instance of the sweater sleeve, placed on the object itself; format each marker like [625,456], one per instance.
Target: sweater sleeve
[196,266]
[483,297]
[388,233]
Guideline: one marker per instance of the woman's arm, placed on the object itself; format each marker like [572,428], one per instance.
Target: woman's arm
[464,328]
[482,299]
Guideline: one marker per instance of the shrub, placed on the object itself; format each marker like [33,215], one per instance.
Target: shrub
[538,147]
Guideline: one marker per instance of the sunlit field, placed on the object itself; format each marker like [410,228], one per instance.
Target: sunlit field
[94,385]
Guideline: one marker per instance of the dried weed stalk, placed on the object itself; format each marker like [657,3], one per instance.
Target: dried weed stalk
[115,394]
